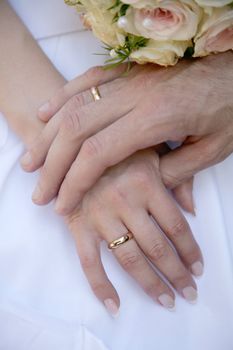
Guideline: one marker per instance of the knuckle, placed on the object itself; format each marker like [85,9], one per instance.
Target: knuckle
[92,147]
[96,207]
[77,100]
[171,181]
[208,154]
[72,121]
[73,220]
[129,260]
[178,229]
[116,193]
[88,261]
[142,178]
[142,80]
[157,251]
[98,287]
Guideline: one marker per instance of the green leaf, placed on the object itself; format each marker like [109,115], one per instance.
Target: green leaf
[132,43]
[189,52]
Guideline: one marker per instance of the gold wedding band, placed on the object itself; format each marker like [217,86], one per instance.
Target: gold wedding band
[95,93]
[119,241]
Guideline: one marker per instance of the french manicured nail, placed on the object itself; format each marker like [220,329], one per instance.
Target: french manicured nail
[190,294]
[37,194]
[112,307]
[167,301]
[197,269]
[44,108]
[26,159]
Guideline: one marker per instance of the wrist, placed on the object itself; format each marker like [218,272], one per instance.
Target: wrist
[28,78]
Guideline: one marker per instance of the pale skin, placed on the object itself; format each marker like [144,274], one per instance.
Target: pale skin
[104,213]
[191,102]
[22,60]
[131,196]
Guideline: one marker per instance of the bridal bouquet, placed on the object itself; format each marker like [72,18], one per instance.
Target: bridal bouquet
[159,31]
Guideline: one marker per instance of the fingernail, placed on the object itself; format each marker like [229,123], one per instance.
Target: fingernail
[26,159]
[167,301]
[190,294]
[112,307]
[44,108]
[197,269]
[37,194]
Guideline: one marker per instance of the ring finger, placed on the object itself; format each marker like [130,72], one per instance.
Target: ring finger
[160,253]
[133,261]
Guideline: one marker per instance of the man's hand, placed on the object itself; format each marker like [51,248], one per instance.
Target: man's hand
[150,105]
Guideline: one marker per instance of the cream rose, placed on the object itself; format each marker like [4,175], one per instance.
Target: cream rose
[164,53]
[162,20]
[213,3]
[216,33]
[100,19]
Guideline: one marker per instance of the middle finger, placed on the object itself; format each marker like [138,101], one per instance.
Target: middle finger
[158,250]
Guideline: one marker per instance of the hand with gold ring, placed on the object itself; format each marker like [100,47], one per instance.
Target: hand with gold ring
[131,210]
[140,109]
[57,146]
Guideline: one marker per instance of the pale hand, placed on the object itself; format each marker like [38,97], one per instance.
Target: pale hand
[131,196]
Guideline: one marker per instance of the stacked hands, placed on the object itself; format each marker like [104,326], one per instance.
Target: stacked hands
[110,168]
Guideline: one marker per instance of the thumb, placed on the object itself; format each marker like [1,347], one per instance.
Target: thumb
[184,196]
[185,161]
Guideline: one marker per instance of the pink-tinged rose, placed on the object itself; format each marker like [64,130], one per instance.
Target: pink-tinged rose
[216,33]
[162,20]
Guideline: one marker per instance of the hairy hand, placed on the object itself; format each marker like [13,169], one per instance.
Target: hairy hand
[149,105]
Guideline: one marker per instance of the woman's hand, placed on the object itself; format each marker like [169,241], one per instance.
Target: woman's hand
[148,106]
[131,197]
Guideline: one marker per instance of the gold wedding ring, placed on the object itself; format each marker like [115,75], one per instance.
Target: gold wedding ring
[119,241]
[95,93]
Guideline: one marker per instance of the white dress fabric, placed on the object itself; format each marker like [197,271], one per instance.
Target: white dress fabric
[45,300]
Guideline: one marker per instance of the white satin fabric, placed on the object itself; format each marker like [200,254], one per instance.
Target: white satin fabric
[45,300]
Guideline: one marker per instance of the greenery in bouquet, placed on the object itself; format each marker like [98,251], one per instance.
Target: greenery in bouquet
[159,31]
